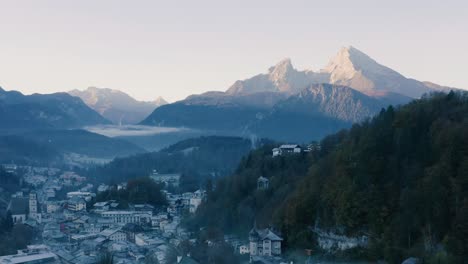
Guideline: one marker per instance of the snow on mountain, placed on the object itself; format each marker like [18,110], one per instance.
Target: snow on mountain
[117,106]
[349,67]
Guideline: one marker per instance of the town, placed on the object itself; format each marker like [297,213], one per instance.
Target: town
[71,226]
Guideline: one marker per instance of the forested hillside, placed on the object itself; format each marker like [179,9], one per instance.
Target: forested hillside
[401,178]
[196,159]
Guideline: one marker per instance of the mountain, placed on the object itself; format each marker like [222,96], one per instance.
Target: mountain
[353,68]
[282,77]
[349,67]
[20,112]
[117,106]
[292,105]
[316,111]
[399,181]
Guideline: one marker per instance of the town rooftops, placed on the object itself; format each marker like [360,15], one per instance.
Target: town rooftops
[27,258]
[289,146]
[264,234]
[109,232]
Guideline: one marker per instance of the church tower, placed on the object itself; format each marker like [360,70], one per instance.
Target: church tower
[33,204]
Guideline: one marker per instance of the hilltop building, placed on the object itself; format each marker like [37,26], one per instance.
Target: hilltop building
[287,149]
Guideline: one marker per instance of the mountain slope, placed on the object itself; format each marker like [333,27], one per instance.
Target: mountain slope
[353,68]
[198,159]
[292,105]
[317,111]
[59,110]
[117,106]
[314,112]
[400,179]
[84,143]
[280,78]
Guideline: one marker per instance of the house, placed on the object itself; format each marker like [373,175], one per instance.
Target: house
[264,242]
[114,234]
[124,217]
[168,179]
[10,168]
[244,249]
[262,183]
[52,207]
[143,239]
[196,200]
[286,149]
[87,196]
[131,230]
[76,203]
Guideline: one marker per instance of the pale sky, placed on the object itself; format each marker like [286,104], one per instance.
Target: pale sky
[177,48]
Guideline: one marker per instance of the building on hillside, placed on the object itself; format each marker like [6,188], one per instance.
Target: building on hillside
[314,146]
[10,168]
[196,200]
[76,204]
[114,234]
[264,242]
[263,183]
[287,149]
[168,179]
[244,249]
[87,196]
[131,230]
[124,217]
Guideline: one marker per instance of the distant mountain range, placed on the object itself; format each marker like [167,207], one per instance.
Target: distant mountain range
[117,106]
[291,105]
[283,104]
[20,112]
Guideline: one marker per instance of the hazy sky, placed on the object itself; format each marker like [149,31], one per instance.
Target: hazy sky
[176,48]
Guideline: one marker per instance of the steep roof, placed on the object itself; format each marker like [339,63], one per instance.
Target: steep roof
[268,234]
[19,205]
[187,260]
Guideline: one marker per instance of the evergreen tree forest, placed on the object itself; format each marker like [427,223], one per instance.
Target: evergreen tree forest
[401,178]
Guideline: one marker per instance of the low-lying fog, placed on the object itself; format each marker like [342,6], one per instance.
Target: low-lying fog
[133,130]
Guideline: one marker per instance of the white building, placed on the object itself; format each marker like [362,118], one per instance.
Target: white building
[196,200]
[124,217]
[244,249]
[263,242]
[262,183]
[33,254]
[87,196]
[286,149]
[168,179]
[52,207]
[76,203]
[142,239]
